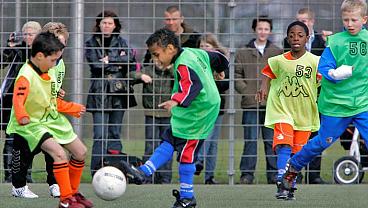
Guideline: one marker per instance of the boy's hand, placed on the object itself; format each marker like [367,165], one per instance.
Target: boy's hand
[146,79]
[262,93]
[168,105]
[24,121]
[341,73]
[81,112]
[61,94]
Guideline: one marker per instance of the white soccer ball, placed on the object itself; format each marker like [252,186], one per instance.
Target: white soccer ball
[109,183]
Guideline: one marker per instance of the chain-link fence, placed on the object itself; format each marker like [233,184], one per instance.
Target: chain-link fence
[230,21]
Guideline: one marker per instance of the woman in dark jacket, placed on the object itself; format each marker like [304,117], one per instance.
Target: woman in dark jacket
[110,94]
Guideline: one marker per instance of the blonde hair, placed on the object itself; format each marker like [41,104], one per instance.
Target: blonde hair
[33,25]
[211,39]
[57,28]
[354,5]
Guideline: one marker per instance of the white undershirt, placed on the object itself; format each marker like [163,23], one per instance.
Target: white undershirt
[260,48]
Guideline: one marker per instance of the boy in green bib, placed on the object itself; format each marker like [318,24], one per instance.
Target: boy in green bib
[344,92]
[194,106]
[35,118]
[290,82]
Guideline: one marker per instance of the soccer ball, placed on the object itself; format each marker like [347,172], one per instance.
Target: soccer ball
[109,183]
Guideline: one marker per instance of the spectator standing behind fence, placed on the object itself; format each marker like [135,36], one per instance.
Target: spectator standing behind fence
[248,64]
[110,59]
[156,124]
[315,45]
[14,57]
[174,21]
[208,152]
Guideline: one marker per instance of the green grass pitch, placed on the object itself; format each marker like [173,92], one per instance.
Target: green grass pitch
[215,196]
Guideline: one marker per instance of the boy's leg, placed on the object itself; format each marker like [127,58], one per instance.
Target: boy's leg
[330,130]
[187,154]
[160,156]
[53,186]
[7,157]
[283,141]
[313,169]
[22,157]
[60,166]
[76,165]
[49,169]
[361,123]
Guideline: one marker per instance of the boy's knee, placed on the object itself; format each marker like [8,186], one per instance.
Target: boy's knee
[324,143]
[59,155]
[81,154]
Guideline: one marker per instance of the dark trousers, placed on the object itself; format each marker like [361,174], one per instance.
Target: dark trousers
[22,158]
[106,135]
[253,126]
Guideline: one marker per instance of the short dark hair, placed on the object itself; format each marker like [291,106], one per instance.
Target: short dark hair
[163,37]
[301,24]
[104,14]
[46,43]
[173,8]
[262,18]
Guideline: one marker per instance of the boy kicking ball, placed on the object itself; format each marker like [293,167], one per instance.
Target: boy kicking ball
[194,105]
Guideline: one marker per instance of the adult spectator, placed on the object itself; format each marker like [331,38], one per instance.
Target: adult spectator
[111,63]
[249,62]
[174,21]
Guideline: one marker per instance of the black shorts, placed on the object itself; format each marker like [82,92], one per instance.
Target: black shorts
[21,143]
[187,149]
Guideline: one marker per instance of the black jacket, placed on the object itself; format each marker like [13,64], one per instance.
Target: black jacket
[121,62]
